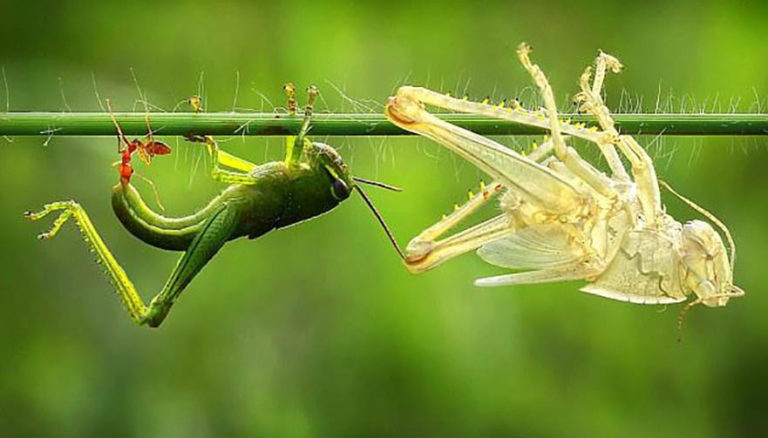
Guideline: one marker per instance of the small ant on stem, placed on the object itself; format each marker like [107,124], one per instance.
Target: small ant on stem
[146,148]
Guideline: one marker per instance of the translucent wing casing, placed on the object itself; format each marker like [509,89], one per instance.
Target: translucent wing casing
[540,247]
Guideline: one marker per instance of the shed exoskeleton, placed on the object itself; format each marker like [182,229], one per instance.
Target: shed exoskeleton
[563,219]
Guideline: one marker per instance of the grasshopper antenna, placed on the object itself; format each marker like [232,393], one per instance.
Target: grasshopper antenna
[709,216]
[381,220]
[378,184]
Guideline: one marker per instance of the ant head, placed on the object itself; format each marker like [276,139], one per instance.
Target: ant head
[134,144]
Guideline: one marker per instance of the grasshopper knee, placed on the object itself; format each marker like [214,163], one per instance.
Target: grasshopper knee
[156,313]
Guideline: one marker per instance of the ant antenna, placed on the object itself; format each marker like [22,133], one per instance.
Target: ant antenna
[709,216]
[381,221]
[378,184]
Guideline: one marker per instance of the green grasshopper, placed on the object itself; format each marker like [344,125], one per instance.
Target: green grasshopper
[312,180]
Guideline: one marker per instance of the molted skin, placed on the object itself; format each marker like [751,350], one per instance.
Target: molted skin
[707,271]
[563,219]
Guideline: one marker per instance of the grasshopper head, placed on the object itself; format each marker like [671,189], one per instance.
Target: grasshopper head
[707,271]
[326,160]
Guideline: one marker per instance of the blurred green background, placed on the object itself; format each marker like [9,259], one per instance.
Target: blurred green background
[318,330]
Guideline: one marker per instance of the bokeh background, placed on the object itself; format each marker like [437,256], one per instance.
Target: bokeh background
[317,330]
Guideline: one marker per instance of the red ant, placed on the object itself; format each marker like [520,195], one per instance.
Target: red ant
[146,148]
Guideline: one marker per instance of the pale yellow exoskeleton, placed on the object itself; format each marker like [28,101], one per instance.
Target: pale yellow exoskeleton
[562,219]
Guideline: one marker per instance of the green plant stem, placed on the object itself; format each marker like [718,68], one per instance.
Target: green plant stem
[89,123]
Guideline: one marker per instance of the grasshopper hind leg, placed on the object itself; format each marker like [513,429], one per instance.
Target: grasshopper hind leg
[125,289]
[216,231]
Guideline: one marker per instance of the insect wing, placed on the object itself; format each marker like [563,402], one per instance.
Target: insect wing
[540,247]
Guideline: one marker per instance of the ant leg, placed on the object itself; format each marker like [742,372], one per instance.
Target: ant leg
[120,136]
[144,155]
[148,148]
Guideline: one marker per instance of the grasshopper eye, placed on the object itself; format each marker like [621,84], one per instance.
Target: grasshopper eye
[340,189]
